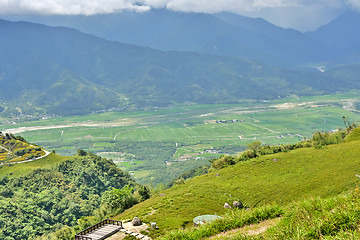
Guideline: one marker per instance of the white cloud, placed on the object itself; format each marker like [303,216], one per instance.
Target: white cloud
[355,4]
[89,7]
[155,3]
[300,14]
[211,6]
[68,7]
[274,3]
[226,5]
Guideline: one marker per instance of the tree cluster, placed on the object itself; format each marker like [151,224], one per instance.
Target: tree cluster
[48,199]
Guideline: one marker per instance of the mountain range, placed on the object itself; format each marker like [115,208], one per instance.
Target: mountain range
[204,58]
[225,34]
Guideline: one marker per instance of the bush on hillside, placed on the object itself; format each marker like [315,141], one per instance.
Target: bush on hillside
[254,147]
[222,162]
[353,135]
[197,171]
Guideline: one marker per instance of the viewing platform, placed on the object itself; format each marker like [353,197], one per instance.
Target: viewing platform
[100,231]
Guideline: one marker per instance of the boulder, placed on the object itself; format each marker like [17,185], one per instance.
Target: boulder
[238,204]
[136,221]
[226,205]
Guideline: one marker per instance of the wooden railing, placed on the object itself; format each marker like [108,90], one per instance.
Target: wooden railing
[81,235]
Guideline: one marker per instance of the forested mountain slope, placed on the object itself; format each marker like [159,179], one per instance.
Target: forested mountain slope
[64,71]
[224,34]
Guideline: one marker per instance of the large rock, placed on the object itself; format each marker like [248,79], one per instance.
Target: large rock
[237,204]
[136,221]
[226,205]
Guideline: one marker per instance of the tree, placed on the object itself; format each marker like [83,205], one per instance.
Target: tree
[81,153]
[144,193]
[117,200]
[349,125]
[254,146]
[65,233]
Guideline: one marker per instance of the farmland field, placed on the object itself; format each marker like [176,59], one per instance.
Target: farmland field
[158,144]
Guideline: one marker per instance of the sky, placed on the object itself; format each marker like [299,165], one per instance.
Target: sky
[303,15]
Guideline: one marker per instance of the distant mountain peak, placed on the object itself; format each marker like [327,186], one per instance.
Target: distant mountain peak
[341,33]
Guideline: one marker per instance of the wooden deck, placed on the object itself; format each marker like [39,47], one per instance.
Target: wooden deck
[100,231]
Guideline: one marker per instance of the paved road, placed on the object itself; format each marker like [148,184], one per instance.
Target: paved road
[30,160]
[5,148]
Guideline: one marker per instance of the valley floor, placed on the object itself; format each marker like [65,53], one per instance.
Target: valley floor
[159,144]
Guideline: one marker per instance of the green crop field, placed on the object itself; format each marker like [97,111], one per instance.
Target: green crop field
[158,144]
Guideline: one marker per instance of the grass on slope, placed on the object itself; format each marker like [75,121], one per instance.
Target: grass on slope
[280,179]
[20,169]
[232,220]
[333,218]
[316,218]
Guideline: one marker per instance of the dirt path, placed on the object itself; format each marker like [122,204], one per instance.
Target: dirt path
[128,226]
[250,230]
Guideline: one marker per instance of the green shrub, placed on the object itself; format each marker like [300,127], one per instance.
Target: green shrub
[222,162]
[320,139]
[353,135]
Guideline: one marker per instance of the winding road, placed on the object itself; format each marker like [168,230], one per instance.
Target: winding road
[30,160]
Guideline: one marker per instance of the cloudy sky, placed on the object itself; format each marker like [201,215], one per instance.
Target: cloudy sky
[299,14]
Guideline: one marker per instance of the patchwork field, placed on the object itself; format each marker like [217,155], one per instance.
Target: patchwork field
[158,144]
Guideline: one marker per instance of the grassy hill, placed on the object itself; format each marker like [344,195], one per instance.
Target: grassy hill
[315,218]
[280,179]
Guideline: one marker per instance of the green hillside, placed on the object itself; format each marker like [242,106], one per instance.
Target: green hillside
[271,179]
[316,218]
